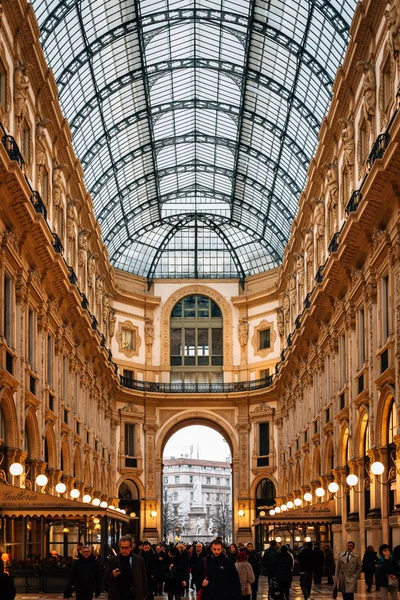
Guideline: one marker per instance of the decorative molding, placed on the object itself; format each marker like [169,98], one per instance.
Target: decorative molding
[128,339]
[255,340]
[192,290]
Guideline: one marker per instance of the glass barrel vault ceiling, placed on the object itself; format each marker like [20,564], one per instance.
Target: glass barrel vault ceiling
[195,121]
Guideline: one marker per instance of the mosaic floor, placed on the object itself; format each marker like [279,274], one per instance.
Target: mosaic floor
[319,592]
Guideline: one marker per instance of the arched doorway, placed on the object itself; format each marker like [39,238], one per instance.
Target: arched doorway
[264,501]
[129,500]
[209,418]
[197,486]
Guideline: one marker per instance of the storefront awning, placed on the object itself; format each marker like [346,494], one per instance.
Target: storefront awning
[17,502]
[321,513]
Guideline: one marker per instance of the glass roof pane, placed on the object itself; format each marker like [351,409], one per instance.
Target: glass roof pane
[193,122]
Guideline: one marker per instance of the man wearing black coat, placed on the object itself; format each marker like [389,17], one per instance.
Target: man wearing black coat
[85,577]
[150,561]
[125,575]
[269,559]
[218,576]
[254,561]
[306,560]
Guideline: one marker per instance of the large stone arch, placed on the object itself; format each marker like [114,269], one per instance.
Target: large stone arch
[218,422]
[131,477]
[306,469]
[328,455]
[342,444]
[78,473]
[316,463]
[32,431]
[386,398]
[66,455]
[190,290]
[50,438]
[297,482]
[10,417]
[204,417]
[257,480]
[96,480]
[360,431]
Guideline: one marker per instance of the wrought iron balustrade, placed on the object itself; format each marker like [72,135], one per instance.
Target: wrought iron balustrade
[307,301]
[85,302]
[12,149]
[378,149]
[72,276]
[38,204]
[334,243]
[354,201]
[319,276]
[57,245]
[196,388]
[298,322]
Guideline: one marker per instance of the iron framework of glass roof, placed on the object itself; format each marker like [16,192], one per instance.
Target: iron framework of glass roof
[195,122]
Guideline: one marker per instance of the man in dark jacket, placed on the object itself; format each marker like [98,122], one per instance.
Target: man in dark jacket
[161,568]
[85,577]
[306,562]
[254,561]
[319,559]
[197,554]
[150,563]
[125,575]
[217,576]
[268,561]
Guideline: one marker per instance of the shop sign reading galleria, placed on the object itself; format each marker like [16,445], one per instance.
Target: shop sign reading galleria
[12,497]
[324,510]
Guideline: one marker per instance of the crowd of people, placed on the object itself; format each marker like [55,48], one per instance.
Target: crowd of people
[140,571]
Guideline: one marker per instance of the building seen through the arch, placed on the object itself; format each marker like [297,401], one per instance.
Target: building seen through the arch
[201,240]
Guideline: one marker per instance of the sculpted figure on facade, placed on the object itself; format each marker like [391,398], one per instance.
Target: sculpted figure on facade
[82,257]
[309,254]
[41,128]
[319,222]
[279,322]
[292,298]
[21,86]
[243,332]
[149,333]
[286,314]
[393,22]
[70,219]
[111,323]
[349,147]
[300,277]
[57,185]
[368,88]
[332,184]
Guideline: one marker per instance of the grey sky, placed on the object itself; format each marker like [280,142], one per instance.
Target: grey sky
[202,441]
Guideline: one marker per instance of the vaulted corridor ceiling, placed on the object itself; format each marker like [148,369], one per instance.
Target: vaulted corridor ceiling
[195,122]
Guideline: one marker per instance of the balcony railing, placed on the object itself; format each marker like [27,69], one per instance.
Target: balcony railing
[196,388]
[379,147]
[354,201]
[334,243]
[12,149]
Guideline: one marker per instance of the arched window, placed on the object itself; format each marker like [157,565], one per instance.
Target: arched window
[265,495]
[196,341]
[3,434]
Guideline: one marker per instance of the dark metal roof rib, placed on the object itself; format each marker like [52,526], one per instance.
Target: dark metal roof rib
[195,122]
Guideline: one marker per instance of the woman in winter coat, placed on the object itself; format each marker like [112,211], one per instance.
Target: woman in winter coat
[384,577]
[283,571]
[369,564]
[246,574]
[175,582]
[232,552]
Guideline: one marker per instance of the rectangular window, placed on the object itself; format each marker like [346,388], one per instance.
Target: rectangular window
[176,478]
[128,339]
[385,309]
[327,378]
[218,481]
[264,373]
[216,336]
[50,361]
[130,442]
[165,480]
[66,415]
[190,478]
[78,428]
[7,310]
[263,444]
[361,338]
[128,375]
[265,339]
[51,402]
[208,479]
[31,339]
[342,356]
[227,482]
[65,378]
